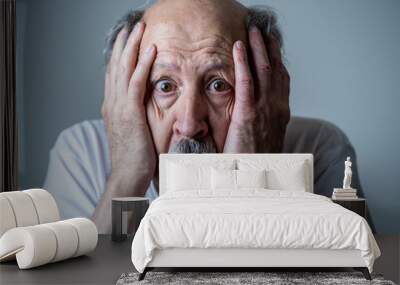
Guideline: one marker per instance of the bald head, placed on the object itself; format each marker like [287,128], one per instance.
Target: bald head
[194,21]
[221,15]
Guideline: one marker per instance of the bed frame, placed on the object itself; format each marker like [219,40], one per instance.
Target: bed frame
[242,259]
[248,259]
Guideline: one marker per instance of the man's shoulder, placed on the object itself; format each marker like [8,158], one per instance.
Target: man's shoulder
[86,136]
[312,135]
[88,130]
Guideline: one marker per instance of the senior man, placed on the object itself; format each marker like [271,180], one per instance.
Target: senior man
[182,76]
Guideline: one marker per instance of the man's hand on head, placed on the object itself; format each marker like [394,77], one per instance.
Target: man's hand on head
[261,109]
[131,147]
[133,157]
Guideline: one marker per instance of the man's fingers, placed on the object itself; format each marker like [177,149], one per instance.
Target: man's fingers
[274,52]
[114,60]
[138,82]
[243,80]
[286,88]
[280,76]
[127,62]
[118,45]
[261,62]
[106,101]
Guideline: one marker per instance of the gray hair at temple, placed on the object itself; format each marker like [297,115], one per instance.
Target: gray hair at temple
[261,16]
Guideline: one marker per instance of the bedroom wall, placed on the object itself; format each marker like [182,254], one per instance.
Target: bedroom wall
[342,56]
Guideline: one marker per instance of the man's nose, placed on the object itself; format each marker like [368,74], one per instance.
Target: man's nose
[191,119]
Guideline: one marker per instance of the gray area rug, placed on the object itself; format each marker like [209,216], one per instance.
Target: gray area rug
[225,278]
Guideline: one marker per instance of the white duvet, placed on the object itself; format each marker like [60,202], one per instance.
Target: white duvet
[251,218]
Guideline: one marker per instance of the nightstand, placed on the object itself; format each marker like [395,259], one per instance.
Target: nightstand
[358,206]
[137,206]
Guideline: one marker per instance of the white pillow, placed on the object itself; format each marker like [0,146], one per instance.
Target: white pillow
[187,174]
[251,178]
[226,179]
[281,174]
[223,179]
[181,177]
[292,178]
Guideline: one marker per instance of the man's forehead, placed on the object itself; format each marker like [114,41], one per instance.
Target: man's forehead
[168,39]
[212,51]
[214,63]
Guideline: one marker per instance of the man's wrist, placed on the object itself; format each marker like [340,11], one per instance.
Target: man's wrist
[122,185]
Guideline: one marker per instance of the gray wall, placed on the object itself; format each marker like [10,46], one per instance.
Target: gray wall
[342,56]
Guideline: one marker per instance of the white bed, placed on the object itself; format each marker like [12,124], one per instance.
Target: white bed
[282,224]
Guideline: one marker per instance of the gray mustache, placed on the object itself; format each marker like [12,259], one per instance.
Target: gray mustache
[194,146]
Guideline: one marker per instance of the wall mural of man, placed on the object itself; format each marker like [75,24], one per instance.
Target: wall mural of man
[181,76]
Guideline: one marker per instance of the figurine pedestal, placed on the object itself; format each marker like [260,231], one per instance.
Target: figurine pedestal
[344,194]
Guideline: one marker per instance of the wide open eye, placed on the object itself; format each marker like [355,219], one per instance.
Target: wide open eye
[165,86]
[218,85]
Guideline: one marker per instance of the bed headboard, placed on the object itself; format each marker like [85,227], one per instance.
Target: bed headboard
[209,158]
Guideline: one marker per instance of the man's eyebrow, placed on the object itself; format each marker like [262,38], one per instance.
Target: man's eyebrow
[217,66]
[173,66]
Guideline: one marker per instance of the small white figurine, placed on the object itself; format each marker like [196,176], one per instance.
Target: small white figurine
[347,174]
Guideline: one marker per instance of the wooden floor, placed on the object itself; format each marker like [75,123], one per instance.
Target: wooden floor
[105,264]
[389,262]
